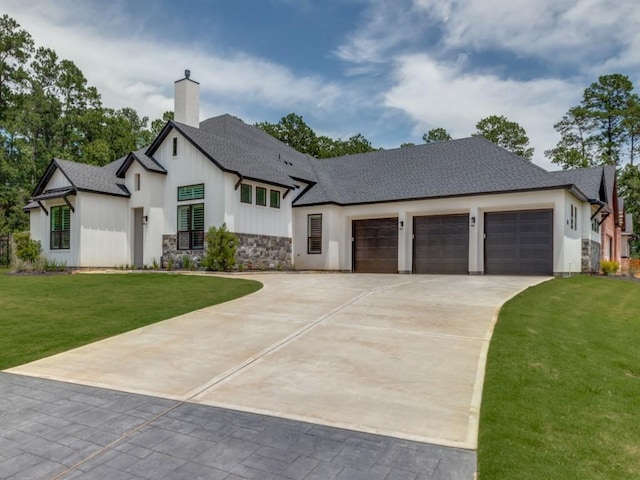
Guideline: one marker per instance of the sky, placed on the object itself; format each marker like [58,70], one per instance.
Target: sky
[388,69]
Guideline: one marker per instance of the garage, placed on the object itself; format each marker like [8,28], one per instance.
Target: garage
[519,243]
[441,244]
[375,245]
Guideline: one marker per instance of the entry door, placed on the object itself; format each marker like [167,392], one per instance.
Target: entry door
[375,245]
[138,232]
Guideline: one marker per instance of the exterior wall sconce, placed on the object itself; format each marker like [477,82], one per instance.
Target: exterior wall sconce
[473,221]
[401,225]
[145,218]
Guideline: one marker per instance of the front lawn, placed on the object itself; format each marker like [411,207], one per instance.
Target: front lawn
[562,384]
[44,315]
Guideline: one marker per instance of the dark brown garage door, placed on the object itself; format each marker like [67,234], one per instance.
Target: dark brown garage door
[375,245]
[519,242]
[441,244]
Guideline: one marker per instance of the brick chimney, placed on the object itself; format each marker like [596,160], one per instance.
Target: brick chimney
[187,101]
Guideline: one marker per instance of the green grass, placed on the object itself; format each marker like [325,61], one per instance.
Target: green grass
[44,315]
[562,385]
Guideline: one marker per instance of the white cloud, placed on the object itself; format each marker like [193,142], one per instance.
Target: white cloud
[439,95]
[555,30]
[130,69]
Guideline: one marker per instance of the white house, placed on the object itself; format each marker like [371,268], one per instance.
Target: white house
[463,206]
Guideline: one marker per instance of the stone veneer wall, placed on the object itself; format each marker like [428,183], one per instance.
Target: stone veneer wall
[263,252]
[590,256]
[257,252]
[170,251]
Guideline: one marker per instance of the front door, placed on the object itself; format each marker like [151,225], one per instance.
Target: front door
[138,232]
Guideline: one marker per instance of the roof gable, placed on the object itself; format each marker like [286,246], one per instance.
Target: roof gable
[140,156]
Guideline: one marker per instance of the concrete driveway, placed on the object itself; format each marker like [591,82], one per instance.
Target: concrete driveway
[396,355]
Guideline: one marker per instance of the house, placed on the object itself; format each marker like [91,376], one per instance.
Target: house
[463,206]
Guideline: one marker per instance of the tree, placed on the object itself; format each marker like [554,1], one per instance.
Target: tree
[407,144]
[629,182]
[16,46]
[506,134]
[574,150]
[293,131]
[436,135]
[606,102]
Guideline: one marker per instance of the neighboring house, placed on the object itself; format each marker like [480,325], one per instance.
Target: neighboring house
[463,206]
[627,236]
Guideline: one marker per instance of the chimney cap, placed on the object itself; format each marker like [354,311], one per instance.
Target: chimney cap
[187,73]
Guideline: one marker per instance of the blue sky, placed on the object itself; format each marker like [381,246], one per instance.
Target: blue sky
[389,69]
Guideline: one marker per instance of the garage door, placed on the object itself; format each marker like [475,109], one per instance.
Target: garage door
[375,245]
[519,242]
[441,244]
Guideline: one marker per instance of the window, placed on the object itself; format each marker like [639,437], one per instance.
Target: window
[60,228]
[175,146]
[191,227]
[191,192]
[574,217]
[136,182]
[246,193]
[595,224]
[261,196]
[274,201]
[314,233]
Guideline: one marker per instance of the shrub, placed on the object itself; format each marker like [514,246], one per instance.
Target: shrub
[221,249]
[186,262]
[27,250]
[170,264]
[154,264]
[609,267]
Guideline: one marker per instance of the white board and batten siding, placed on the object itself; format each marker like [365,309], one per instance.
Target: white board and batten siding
[256,219]
[104,220]
[189,167]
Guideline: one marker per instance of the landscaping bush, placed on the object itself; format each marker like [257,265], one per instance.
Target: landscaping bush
[221,249]
[609,267]
[27,250]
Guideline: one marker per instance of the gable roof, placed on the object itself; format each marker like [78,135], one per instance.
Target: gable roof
[83,177]
[588,180]
[140,156]
[244,150]
[468,166]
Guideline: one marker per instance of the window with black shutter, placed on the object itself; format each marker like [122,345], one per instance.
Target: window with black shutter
[60,228]
[191,227]
[314,233]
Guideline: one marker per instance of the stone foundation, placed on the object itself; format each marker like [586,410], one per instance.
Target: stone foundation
[590,256]
[255,252]
[170,252]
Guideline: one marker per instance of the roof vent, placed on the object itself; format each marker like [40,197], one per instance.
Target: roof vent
[187,73]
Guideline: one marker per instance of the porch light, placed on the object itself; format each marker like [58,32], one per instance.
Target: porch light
[473,221]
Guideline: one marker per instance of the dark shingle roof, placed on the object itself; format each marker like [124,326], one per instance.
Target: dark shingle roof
[248,151]
[92,178]
[588,180]
[467,166]
[147,162]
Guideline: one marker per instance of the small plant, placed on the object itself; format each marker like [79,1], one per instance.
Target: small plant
[250,265]
[241,267]
[170,264]
[186,262]
[221,249]
[263,266]
[27,250]
[154,264]
[280,267]
[609,267]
